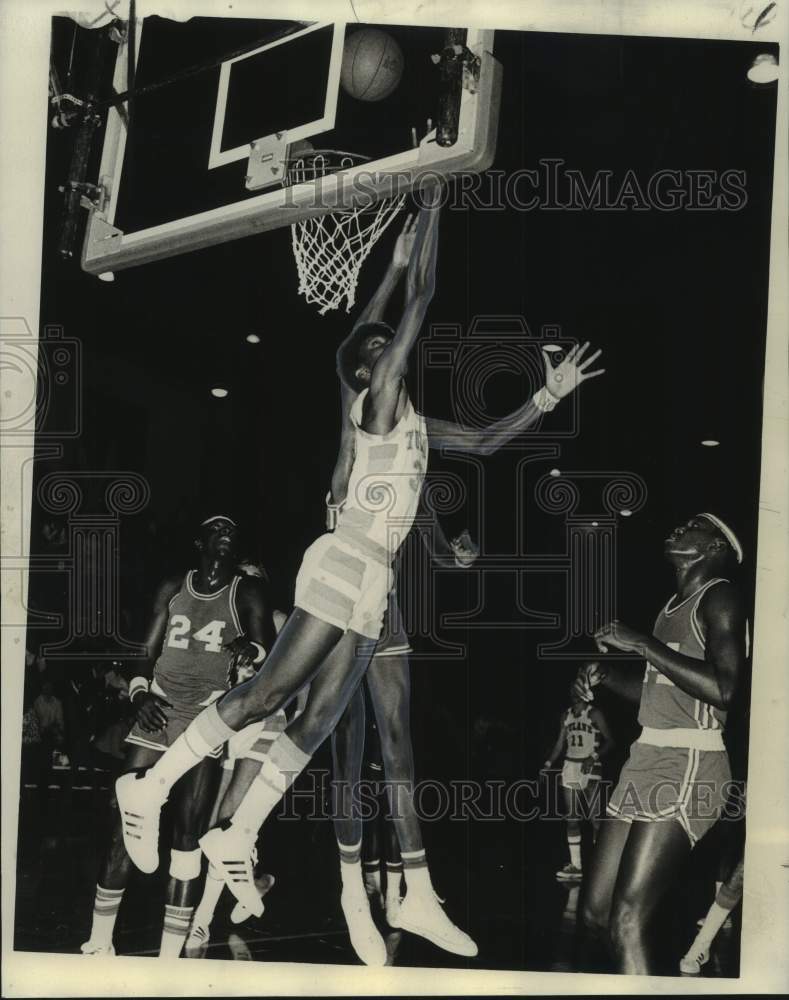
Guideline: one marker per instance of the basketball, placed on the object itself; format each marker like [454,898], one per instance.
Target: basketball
[372,65]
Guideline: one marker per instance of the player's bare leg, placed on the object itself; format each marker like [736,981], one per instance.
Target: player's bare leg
[192,798]
[632,867]
[727,897]
[234,785]
[230,849]
[572,871]
[389,684]
[116,868]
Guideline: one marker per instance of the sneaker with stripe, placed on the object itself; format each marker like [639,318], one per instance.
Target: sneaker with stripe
[233,857]
[140,808]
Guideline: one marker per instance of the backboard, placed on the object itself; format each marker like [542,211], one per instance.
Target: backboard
[198,154]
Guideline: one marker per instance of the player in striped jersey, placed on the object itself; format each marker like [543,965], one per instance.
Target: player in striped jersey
[584,739]
[202,626]
[676,782]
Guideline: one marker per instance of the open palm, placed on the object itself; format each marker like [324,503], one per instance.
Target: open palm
[569,373]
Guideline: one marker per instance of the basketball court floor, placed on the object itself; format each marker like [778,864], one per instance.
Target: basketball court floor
[521,917]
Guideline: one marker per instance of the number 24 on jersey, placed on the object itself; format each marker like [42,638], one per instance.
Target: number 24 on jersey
[210,634]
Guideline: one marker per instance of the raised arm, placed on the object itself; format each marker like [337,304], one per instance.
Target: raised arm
[375,309]
[390,367]
[341,473]
[560,381]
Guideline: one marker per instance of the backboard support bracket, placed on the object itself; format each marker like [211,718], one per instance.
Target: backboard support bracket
[267,159]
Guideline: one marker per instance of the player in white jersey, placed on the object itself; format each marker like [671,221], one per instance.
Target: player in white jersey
[341,595]
[584,739]
[676,782]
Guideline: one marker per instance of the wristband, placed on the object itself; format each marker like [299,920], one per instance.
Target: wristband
[261,652]
[544,400]
[332,512]
[136,685]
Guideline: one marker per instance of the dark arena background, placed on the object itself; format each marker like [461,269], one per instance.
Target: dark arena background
[676,299]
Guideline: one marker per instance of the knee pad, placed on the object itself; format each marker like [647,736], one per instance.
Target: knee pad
[185,865]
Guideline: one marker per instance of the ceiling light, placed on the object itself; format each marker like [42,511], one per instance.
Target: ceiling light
[710,443]
[626,512]
[219,392]
[554,472]
[253,338]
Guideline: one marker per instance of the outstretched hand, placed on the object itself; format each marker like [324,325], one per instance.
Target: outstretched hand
[569,373]
[405,242]
[465,550]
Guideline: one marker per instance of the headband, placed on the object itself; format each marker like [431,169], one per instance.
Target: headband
[218,517]
[727,533]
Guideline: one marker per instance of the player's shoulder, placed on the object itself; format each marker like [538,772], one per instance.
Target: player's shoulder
[169,587]
[251,588]
[723,598]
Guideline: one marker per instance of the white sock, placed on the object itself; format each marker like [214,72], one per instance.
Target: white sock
[282,765]
[574,843]
[372,875]
[351,867]
[203,735]
[105,912]
[415,870]
[212,891]
[715,919]
[175,929]
[394,878]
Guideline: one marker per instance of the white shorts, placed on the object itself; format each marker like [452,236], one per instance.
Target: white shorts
[254,741]
[343,586]
[574,776]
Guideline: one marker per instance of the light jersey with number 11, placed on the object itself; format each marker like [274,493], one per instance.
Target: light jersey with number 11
[193,668]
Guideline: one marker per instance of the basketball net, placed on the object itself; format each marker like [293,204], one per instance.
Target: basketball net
[330,249]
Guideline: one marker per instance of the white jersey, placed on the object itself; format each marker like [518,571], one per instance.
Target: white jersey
[583,736]
[385,484]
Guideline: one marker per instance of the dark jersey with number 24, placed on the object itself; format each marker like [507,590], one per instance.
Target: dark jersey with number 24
[193,668]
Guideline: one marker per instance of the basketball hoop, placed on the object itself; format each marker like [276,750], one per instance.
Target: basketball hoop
[330,249]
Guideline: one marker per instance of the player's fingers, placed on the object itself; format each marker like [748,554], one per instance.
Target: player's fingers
[585,375]
[572,353]
[408,221]
[590,359]
[581,351]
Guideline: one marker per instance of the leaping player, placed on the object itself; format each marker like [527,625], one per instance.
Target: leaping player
[194,620]
[388,675]
[675,784]
[341,595]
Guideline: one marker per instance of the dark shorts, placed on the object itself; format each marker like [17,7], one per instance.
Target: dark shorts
[664,783]
[394,640]
[178,718]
